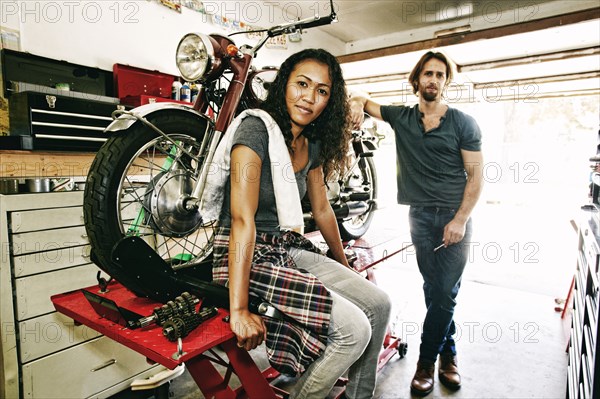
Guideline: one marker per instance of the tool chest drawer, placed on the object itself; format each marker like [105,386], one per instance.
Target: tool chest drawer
[33,293]
[60,122]
[589,249]
[50,333]
[45,240]
[43,219]
[50,260]
[84,370]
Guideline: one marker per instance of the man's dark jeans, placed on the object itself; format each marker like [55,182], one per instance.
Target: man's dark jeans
[442,272]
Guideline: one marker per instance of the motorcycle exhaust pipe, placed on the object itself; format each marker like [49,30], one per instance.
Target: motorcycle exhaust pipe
[348,209]
[352,208]
[358,197]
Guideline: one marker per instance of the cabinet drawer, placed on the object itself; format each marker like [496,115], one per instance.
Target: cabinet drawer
[577,331]
[569,383]
[590,348]
[591,307]
[573,371]
[44,219]
[50,333]
[48,240]
[579,291]
[585,384]
[582,267]
[41,262]
[82,370]
[33,293]
[590,250]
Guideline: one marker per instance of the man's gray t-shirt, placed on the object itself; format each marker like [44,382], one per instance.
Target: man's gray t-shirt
[430,168]
[253,133]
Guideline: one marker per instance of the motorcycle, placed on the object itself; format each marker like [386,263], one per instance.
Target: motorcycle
[147,180]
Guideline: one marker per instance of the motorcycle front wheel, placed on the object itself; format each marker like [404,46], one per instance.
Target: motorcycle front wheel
[137,185]
[362,178]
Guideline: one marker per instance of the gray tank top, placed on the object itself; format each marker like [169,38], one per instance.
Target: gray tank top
[253,133]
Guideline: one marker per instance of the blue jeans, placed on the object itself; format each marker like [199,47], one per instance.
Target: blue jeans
[442,272]
[359,319]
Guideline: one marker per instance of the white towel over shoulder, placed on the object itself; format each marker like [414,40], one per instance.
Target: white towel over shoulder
[287,198]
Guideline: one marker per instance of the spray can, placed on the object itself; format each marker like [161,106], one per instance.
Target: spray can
[186,92]
[176,90]
[195,90]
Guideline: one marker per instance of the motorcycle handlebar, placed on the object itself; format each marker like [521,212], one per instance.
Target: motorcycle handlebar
[297,25]
[303,24]
[321,21]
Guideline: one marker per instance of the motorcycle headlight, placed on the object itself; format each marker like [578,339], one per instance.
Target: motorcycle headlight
[195,56]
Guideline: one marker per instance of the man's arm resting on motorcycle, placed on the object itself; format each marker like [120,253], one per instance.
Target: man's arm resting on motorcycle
[359,104]
[324,215]
[249,328]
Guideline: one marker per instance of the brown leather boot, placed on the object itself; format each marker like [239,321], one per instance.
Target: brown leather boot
[422,382]
[448,371]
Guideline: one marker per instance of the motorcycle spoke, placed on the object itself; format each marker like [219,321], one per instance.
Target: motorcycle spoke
[145,166]
[149,160]
[132,191]
[184,249]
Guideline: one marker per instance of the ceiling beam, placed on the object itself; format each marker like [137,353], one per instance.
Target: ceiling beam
[500,31]
[540,80]
[531,59]
[570,93]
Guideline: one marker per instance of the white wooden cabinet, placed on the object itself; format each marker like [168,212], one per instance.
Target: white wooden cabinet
[44,251]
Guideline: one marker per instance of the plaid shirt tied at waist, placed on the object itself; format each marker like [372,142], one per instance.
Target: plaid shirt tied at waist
[274,276]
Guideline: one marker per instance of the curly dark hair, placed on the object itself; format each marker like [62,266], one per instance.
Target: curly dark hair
[332,127]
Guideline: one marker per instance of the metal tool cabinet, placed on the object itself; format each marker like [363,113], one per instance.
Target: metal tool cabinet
[44,251]
[583,377]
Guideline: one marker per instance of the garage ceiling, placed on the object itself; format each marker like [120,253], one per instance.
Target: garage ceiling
[502,49]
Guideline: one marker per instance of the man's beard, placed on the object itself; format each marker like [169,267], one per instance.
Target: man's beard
[428,96]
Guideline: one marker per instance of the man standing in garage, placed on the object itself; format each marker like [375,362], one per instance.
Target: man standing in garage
[439,174]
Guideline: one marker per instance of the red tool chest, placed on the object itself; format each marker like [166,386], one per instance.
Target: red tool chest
[136,86]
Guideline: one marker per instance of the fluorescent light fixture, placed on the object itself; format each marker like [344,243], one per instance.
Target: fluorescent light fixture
[452,31]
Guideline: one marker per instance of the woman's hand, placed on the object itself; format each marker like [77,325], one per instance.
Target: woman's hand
[249,328]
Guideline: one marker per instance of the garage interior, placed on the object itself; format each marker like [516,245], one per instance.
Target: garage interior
[507,300]
[529,72]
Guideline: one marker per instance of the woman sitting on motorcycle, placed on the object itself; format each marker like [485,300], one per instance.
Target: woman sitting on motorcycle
[335,319]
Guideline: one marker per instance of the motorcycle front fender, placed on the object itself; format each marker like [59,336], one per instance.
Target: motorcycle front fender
[125,121]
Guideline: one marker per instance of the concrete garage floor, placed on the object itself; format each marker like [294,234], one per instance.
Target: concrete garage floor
[511,341]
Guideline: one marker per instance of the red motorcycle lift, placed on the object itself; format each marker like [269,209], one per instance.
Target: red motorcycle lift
[197,350]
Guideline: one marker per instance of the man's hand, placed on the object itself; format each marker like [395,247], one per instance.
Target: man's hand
[357,112]
[454,232]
